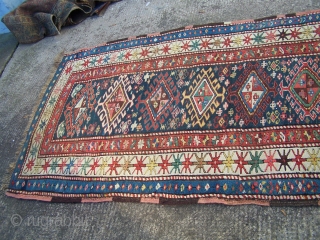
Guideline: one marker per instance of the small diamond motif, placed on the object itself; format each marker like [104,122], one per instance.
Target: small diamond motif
[252,92]
[306,88]
[159,100]
[203,96]
[79,109]
[114,105]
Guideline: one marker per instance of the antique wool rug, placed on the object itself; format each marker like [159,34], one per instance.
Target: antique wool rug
[220,113]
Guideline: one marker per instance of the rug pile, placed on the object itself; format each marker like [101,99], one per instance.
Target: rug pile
[221,113]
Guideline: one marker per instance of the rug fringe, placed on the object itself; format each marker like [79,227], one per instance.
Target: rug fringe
[96,200]
[233,202]
[29,197]
[164,201]
[6,178]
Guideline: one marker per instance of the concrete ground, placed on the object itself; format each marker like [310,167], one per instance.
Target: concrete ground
[8,45]
[26,74]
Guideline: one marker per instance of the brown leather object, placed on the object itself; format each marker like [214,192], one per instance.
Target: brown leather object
[35,19]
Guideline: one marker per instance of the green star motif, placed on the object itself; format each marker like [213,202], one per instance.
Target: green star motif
[195,45]
[84,167]
[52,101]
[121,55]
[255,162]
[93,61]
[53,166]
[33,151]
[258,38]
[42,124]
[176,164]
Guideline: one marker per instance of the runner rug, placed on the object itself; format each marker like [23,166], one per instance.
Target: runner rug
[221,113]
